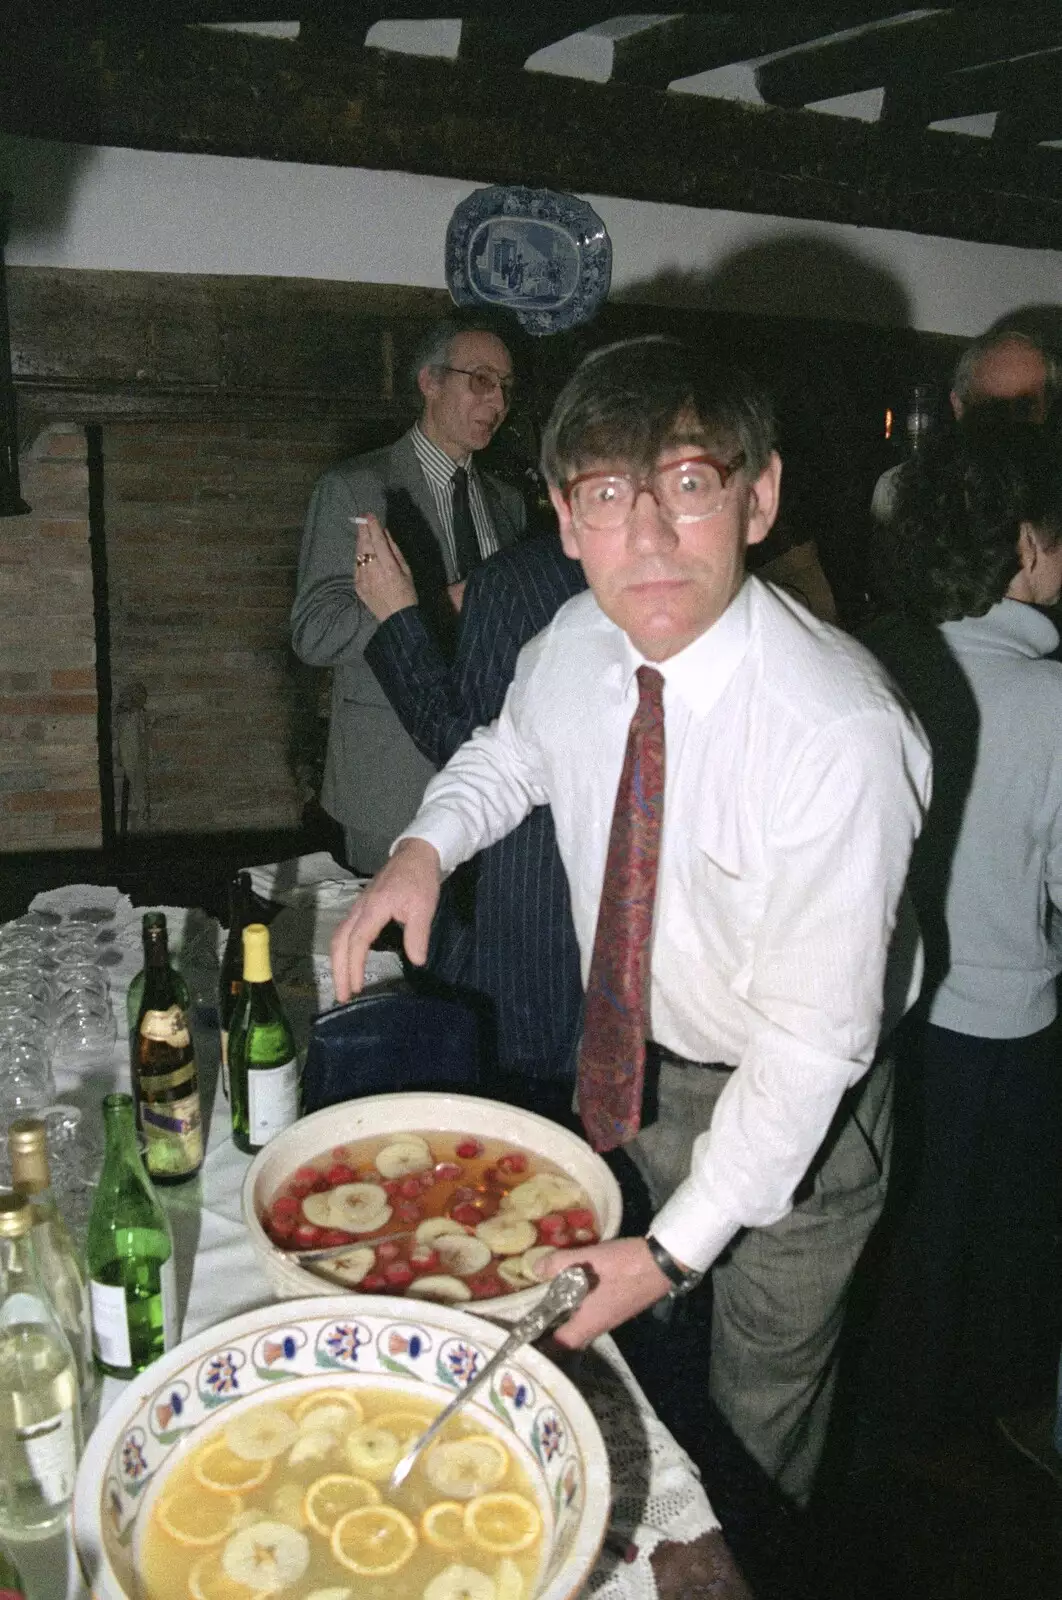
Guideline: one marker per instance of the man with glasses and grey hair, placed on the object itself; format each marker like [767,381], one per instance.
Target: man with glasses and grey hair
[445,516]
[736,790]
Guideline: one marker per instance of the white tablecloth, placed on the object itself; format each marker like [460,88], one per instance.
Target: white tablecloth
[657,1494]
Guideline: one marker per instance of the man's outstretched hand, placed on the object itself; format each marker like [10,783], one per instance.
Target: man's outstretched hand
[405,891]
[628,1280]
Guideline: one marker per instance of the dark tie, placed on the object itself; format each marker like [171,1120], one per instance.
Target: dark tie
[466,545]
[612,1054]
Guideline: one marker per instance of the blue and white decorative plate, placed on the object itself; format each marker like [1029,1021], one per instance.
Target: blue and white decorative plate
[546,257]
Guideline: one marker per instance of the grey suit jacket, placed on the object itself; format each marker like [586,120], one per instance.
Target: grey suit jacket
[374,774]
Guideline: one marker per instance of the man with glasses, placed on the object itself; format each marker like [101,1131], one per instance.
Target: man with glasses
[736,790]
[445,516]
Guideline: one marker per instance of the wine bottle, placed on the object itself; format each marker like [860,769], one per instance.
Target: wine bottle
[165,1077]
[40,1406]
[56,1256]
[11,1585]
[135,995]
[132,1285]
[263,1068]
[230,979]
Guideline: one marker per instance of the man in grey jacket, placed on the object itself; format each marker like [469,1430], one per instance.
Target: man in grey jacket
[444,516]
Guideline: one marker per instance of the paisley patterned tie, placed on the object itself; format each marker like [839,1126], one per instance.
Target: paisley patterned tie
[612,1054]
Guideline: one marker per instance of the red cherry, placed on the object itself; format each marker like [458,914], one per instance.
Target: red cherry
[514,1161]
[336,1236]
[427,1179]
[399,1274]
[447,1171]
[340,1173]
[280,1229]
[306,1236]
[373,1282]
[424,1259]
[553,1222]
[308,1181]
[467,1213]
[410,1189]
[392,1187]
[468,1149]
[464,1195]
[286,1206]
[408,1211]
[388,1251]
[486,1285]
[580,1217]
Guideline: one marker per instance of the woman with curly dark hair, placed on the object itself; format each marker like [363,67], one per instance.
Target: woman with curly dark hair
[973,554]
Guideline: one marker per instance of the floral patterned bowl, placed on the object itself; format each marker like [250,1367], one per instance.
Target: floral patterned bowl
[433,1349]
[404,1113]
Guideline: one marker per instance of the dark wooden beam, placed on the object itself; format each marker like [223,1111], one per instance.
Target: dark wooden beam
[920,48]
[505,42]
[1025,94]
[229,94]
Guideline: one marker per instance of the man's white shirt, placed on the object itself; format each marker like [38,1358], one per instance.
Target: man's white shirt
[796,782]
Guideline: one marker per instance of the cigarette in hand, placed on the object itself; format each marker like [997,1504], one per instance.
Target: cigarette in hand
[362,522]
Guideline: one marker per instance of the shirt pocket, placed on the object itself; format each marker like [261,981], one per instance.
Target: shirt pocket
[722,903]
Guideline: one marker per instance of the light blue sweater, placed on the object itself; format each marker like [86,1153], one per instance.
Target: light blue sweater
[1006,872]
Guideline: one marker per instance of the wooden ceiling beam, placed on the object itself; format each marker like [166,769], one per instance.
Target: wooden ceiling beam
[191,90]
[505,43]
[1025,95]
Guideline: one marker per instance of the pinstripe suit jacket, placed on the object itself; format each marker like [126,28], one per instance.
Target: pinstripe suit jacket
[520,949]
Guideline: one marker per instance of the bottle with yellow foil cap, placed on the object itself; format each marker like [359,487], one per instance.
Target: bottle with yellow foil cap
[263,1065]
[165,1077]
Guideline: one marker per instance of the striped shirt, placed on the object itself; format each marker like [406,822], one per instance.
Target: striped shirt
[438,469]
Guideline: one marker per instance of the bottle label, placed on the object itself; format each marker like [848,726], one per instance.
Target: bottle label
[50,1450]
[168,1287]
[272,1100]
[168,1027]
[173,1132]
[110,1324]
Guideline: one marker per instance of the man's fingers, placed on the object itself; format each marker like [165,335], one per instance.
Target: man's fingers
[416,935]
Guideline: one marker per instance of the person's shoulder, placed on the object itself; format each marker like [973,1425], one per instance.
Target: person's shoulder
[820,672]
[378,465]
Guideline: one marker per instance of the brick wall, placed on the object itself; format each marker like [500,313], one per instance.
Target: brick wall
[49,775]
[203,523]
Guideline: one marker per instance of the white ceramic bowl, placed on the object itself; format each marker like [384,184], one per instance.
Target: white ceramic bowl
[368,1339]
[398,1113]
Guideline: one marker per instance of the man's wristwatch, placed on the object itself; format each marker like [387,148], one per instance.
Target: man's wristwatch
[682,1279]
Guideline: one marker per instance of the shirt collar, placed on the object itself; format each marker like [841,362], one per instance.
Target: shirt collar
[1020,624]
[700,673]
[435,462]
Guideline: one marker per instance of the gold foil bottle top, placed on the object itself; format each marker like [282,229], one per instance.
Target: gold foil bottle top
[16,1218]
[256,963]
[27,1143]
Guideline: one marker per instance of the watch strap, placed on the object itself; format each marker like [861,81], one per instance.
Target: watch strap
[682,1279]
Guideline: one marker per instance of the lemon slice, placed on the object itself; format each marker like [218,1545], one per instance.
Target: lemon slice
[315,1444]
[406,1425]
[372,1450]
[331,1497]
[285,1505]
[502,1523]
[460,1583]
[506,1236]
[329,1397]
[508,1581]
[461,1468]
[208,1580]
[266,1557]
[374,1541]
[443,1525]
[195,1519]
[261,1433]
[221,1469]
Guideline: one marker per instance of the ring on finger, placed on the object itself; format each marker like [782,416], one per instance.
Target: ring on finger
[363,560]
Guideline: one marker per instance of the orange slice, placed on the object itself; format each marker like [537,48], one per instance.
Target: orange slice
[374,1541]
[331,1497]
[328,1397]
[443,1525]
[221,1469]
[502,1523]
[208,1580]
[195,1519]
[406,1424]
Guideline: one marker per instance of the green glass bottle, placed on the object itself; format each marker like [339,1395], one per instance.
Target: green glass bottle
[230,978]
[11,1585]
[40,1405]
[135,996]
[132,1285]
[56,1256]
[263,1066]
[165,1076]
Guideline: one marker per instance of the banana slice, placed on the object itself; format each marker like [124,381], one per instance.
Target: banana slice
[313,1444]
[506,1236]
[372,1451]
[330,1417]
[286,1504]
[547,1191]
[352,1267]
[463,1468]
[511,1271]
[439,1286]
[261,1433]
[458,1582]
[339,1593]
[530,1259]
[433,1228]
[317,1208]
[266,1556]
[403,1156]
[358,1207]
[508,1581]
[460,1253]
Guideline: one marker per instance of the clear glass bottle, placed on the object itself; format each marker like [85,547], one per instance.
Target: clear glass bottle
[40,1405]
[135,996]
[57,1256]
[922,418]
[263,1066]
[11,1585]
[230,978]
[132,1284]
[165,1076]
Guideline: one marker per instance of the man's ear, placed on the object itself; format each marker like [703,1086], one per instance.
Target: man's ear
[764,495]
[427,382]
[569,543]
[956,406]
